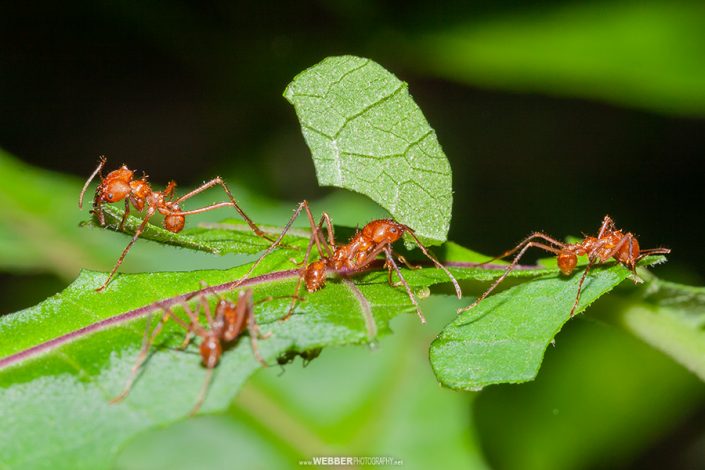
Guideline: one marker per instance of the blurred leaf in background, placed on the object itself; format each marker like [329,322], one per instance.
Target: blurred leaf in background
[187,91]
[642,54]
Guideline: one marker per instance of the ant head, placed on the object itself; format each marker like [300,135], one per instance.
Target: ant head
[567,261]
[114,190]
[211,351]
[384,231]
[116,186]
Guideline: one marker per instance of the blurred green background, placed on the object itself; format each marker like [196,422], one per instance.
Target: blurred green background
[552,115]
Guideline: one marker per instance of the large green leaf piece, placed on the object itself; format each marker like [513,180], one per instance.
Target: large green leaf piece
[642,54]
[503,339]
[668,316]
[72,353]
[368,135]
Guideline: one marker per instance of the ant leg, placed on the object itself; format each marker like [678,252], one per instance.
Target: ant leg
[219,180]
[580,287]
[204,391]
[192,327]
[98,170]
[252,327]
[140,229]
[607,225]
[653,251]
[98,210]
[211,207]
[169,190]
[331,234]
[125,214]
[509,269]
[206,310]
[269,298]
[407,264]
[390,259]
[294,299]
[389,275]
[147,342]
[522,243]
[458,292]
[314,238]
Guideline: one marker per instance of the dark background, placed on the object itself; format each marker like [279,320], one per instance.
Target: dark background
[189,90]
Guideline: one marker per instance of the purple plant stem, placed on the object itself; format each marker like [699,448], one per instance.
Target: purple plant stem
[139,312]
[161,304]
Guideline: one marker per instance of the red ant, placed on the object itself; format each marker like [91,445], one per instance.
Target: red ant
[609,243]
[121,185]
[230,321]
[363,248]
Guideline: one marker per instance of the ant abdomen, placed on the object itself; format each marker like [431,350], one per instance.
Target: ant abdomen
[174,223]
[567,261]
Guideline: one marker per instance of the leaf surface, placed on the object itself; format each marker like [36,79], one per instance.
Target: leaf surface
[503,339]
[368,135]
[73,352]
[668,316]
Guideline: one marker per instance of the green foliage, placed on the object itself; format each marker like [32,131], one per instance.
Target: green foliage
[386,403]
[503,339]
[647,55]
[39,221]
[73,352]
[602,400]
[91,365]
[368,135]
[668,316]
[227,236]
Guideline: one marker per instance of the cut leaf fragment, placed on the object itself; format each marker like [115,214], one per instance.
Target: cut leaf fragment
[503,339]
[368,135]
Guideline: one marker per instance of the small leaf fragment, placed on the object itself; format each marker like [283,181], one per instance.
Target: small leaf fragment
[504,338]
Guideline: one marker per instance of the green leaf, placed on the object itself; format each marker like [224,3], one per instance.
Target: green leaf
[366,134]
[504,338]
[227,236]
[73,352]
[642,54]
[618,394]
[668,316]
[39,221]
[384,404]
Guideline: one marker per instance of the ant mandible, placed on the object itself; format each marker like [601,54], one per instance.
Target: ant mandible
[121,185]
[231,319]
[609,243]
[364,247]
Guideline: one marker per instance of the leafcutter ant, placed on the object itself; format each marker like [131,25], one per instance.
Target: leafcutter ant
[609,243]
[358,254]
[224,328]
[121,184]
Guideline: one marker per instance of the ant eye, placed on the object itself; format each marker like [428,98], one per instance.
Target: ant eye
[393,230]
[110,195]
